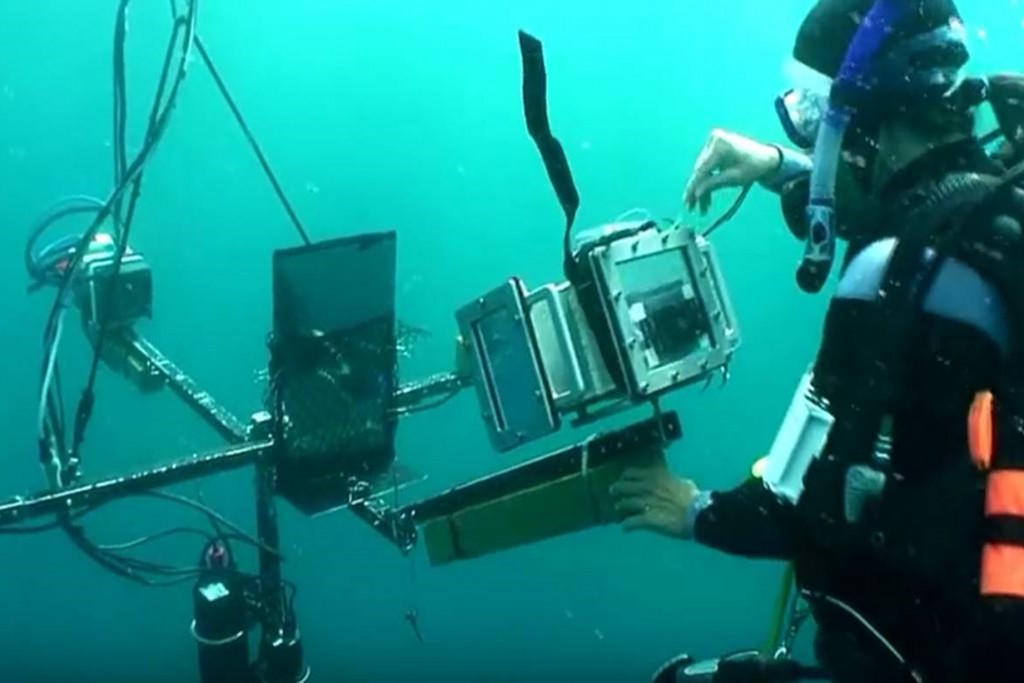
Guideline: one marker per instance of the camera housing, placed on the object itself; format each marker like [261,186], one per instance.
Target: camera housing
[644,311]
[131,297]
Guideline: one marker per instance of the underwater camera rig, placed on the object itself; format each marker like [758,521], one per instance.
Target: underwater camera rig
[643,311]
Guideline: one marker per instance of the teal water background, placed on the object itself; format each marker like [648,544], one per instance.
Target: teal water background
[401,115]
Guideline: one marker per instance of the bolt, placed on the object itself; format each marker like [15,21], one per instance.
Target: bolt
[644,387]
[675,375]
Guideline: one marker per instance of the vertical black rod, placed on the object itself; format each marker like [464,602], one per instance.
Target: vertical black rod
[270,564]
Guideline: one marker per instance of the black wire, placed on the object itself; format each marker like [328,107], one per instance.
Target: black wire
[39,528]
[129,177]
[157,123]
[135,569]
[59,400]
[730,212]
[188,502]
[133,169]
[131,568]
[84,412]
[119,142]
[49,219]
[150,538]
[428,406]
[230,101]
[49,348]
[111,563]
[252,142]
[55,406]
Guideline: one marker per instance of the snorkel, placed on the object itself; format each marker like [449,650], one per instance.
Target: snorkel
[880,74]
[852,80]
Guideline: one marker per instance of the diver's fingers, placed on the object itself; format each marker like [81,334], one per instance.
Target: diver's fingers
[627,507]
[705,204]
[707,162]
[636,474]
[626,489]
[730,177]
[639,522]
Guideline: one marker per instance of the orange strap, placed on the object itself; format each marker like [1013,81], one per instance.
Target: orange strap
[1004,494]
[1002,565]
[980,437]
[1002,570]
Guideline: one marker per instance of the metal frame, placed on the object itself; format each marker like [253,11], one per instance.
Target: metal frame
[701,266]
[251,445]
[544,420]
[576,372]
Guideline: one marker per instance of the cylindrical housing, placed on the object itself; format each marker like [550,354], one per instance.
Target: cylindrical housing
[220,628]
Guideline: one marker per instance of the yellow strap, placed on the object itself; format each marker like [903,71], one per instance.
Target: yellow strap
[785,590]
[781,607]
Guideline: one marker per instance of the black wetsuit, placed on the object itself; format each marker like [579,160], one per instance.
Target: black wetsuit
[910,564]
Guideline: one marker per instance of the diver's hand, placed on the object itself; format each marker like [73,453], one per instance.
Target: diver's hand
[728,160]
[651,498]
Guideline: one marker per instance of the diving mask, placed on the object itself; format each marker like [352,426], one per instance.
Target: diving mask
[800,112]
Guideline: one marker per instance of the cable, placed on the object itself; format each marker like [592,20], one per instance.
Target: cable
[130,176]
[121,567]
[40,528]
[252,143]
[58,264]
[157,125]
[143,540]
[730,212]
[56,407]
[868,627]
[135,569]
[401,412]
[237,113]
[133,170]
[188,502]
[51,364]
[68,206]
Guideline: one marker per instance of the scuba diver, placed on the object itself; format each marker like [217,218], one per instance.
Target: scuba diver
[906,530]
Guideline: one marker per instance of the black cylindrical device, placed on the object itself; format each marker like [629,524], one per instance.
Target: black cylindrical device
[220,627]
